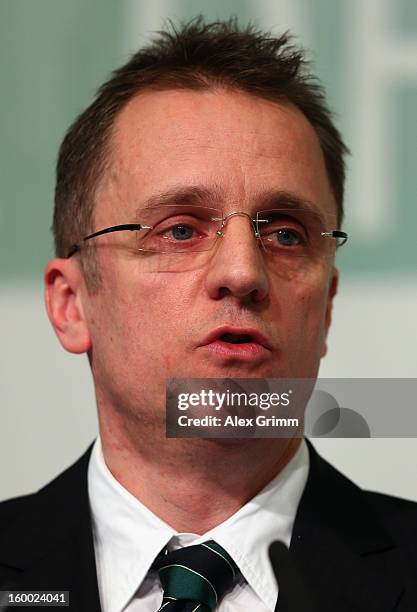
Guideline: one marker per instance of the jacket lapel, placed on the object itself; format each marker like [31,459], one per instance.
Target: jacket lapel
[50,546]
[340,550]
[339,547]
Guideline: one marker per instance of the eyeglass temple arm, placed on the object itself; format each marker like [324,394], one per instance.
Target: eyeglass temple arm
[337,234]
[115,228]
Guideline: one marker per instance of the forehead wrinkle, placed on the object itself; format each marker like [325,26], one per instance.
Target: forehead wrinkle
[196,195]
[215,197]
[281,199]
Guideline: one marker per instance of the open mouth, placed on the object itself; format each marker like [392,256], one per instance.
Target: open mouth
[242,344]
[237,341]
[236,338]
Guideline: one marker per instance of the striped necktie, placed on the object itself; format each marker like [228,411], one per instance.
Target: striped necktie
[195,578]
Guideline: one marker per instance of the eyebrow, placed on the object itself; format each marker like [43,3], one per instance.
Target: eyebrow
[195,195]
[199,195]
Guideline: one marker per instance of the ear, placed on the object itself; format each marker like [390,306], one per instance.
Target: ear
[64,285]
[333,284]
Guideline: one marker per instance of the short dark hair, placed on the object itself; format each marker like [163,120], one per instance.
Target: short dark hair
[197,56]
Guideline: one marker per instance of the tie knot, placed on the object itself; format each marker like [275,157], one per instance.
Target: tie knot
[197,576]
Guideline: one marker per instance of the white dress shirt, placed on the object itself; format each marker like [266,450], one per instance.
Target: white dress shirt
[128,537]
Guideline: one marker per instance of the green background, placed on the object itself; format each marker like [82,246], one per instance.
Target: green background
[54,54]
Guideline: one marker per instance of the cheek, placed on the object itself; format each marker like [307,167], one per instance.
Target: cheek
[304,339]
[154,318]
[150,308]
[306,309]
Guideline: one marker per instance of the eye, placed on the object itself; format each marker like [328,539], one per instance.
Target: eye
[181,232]
[282,230]
[288,237]
[179,229]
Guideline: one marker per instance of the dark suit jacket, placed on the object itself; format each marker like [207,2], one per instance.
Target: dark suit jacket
[356,550]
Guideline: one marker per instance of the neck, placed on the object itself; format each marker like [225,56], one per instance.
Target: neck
[192,484]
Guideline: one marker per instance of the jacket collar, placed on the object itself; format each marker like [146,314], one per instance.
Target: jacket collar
[338,545]
[50,545]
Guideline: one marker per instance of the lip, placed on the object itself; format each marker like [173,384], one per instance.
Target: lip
[258,347]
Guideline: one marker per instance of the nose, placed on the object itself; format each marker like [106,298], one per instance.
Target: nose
[237,267]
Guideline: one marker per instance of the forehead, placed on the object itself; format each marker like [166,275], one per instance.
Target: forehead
[228,142]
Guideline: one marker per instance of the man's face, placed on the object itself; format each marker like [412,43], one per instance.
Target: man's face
[148,326]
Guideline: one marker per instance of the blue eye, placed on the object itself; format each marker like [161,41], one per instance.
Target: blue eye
[182,232]
[288,237]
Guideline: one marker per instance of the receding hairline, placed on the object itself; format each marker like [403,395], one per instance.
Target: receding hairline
[110,149]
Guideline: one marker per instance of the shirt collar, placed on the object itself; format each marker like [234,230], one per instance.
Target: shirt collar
[269,516]
[128,536]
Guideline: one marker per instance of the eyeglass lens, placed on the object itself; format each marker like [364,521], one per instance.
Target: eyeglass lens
[181,237]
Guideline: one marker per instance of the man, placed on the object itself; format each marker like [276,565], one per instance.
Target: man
[203,135]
